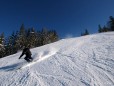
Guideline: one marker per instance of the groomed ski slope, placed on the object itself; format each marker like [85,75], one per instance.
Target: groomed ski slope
[81,61]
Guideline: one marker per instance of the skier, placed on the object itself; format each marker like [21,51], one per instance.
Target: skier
[28,54]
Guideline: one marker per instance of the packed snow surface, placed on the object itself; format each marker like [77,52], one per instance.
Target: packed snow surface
[81,61]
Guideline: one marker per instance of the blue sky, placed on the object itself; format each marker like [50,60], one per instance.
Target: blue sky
[67,17]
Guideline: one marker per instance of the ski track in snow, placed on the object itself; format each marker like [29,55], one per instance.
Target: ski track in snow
[82,61]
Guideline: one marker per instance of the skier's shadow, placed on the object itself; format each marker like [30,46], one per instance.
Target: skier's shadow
[10,67]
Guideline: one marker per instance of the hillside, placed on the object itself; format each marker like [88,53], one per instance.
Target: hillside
[81,61]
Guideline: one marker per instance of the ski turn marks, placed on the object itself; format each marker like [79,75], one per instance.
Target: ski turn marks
[43,57]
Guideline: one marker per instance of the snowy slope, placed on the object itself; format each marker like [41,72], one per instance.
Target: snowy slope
[82,61]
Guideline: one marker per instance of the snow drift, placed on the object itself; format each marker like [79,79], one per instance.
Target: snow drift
[82,61]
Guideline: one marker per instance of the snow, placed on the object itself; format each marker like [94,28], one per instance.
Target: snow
[1,46]
[81,61]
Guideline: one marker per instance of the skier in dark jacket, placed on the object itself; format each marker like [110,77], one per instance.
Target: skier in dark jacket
[28,54]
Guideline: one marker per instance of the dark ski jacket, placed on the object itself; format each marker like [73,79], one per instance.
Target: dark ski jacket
[27,52]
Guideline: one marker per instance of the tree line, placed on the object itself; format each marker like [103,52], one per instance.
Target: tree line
[17,40]
[106,28]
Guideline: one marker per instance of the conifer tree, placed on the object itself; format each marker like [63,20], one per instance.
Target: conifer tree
[85,33]
[111,23]
[105,29]
[32,38]
[44,36]
[2,49]
[100,29]
[2,38]
[21,38]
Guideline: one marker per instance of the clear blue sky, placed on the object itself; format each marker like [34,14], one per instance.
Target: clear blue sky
[67,17]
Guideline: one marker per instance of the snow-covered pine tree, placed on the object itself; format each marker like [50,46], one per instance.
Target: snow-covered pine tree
[2,49]
[21,38]
[32,38]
